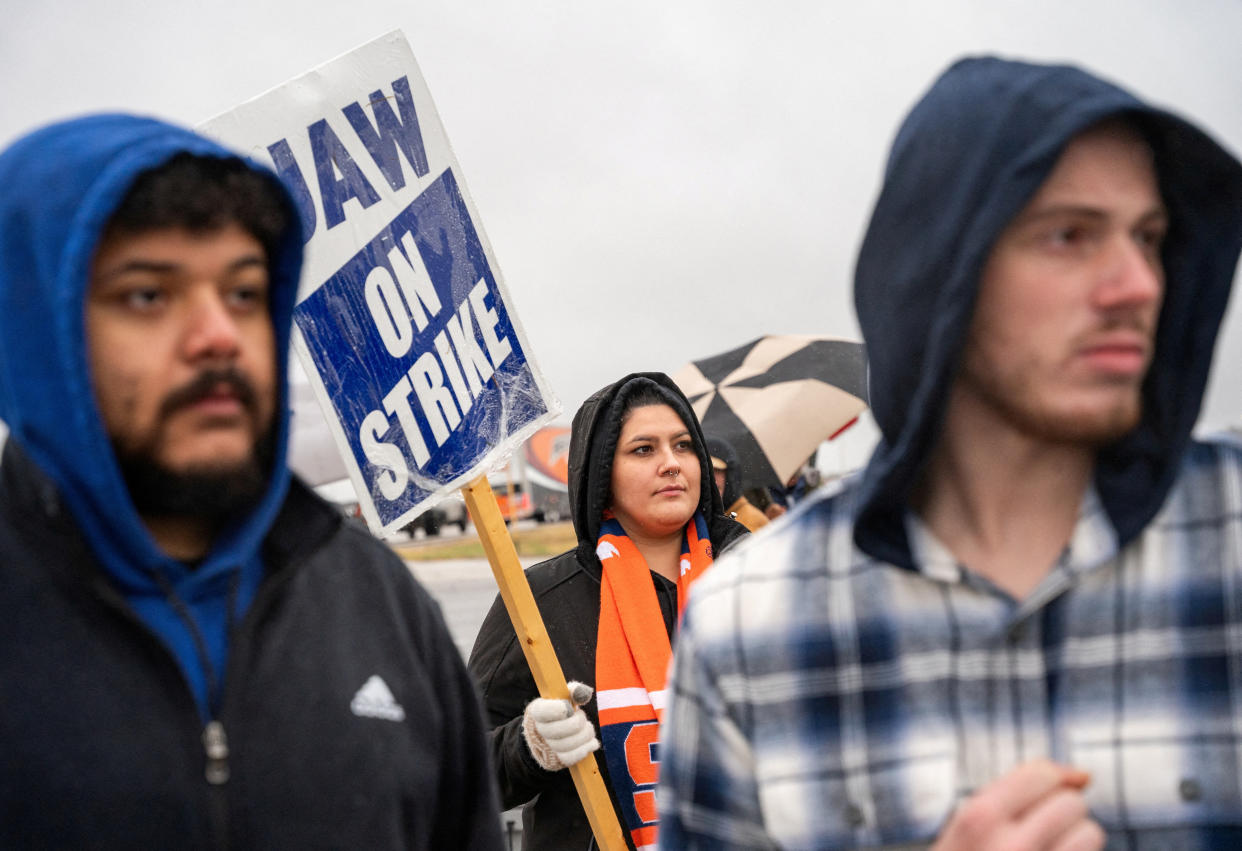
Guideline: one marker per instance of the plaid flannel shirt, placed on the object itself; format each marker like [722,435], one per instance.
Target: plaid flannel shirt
[822,699]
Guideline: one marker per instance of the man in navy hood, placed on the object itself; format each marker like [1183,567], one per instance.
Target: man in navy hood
[199,652]
[1017,627]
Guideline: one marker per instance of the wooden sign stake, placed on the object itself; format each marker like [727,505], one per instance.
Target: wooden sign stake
[533,636]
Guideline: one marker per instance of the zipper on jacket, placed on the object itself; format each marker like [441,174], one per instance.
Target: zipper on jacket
[216,744]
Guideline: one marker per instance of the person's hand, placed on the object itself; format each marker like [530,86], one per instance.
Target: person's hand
[558,732]
[1038,805]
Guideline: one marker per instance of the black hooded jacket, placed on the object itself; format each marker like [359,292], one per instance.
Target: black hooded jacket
[968,158]
[567,591]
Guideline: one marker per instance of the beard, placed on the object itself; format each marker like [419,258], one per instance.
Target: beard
[214,492]
[1015,399]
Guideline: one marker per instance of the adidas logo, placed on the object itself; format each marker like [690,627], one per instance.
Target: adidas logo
[374,700]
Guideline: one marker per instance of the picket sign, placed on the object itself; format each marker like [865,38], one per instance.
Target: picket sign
[404,327]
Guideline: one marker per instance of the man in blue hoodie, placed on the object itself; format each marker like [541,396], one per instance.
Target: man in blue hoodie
[198,652]
[1021,625]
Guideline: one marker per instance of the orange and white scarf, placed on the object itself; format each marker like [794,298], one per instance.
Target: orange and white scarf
[632,657]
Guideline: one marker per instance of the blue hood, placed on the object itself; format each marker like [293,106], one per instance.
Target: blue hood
[61,185]
[968,158]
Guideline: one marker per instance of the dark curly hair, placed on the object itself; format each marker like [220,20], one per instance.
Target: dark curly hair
[203,194]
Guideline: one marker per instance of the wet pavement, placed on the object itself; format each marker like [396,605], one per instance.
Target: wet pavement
[465,589]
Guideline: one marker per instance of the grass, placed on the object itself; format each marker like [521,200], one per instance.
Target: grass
[542,540]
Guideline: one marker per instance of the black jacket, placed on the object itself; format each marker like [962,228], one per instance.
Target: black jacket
[103,745]
[567,591]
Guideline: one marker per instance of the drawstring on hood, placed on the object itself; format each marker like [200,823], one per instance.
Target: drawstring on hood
[968,158]
[62,184]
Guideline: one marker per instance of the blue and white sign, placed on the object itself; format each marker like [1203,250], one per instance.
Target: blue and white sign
[404,325]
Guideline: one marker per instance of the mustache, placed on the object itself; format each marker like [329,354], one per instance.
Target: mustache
[205,384]
[1123,322]
[1130,322]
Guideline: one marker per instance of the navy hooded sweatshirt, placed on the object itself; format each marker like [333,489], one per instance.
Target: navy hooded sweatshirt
[966,160]
[842,695]
[61,185]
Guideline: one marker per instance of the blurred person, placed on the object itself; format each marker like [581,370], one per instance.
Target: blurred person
[728,476]
[649,521]
[766,500]
[199,652]
[1015,629]
[803,482]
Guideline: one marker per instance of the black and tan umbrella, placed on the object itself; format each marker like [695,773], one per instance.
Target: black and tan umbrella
[777,398]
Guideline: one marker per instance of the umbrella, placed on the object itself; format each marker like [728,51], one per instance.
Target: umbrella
[776,398]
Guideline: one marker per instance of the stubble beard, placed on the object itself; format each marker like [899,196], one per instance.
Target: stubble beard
[1016,399]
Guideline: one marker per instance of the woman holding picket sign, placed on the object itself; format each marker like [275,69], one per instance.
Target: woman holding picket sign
[649,521]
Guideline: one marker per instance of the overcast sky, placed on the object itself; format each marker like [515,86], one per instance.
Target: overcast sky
[660,180]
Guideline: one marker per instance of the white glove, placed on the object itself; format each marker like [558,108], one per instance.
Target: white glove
[558,732]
